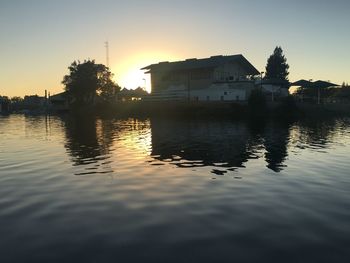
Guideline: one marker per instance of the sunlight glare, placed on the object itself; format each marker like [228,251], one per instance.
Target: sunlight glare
[129,74]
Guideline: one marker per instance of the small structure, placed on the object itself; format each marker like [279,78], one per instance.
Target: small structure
[59,102]
[311,91]
[34,102]
[218,78]
[130,94]
[274,89]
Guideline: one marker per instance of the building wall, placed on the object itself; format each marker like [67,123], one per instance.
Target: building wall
[196,78]
[236,91]
[276,89]
[229,71]
[224,92]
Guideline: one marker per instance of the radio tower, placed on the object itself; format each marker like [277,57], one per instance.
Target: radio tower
[107,53]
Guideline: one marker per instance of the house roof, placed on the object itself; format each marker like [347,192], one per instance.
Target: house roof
[302,83]
[194,63]
[132,92]
[316,84]
[60,96]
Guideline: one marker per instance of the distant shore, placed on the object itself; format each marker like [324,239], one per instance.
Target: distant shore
[185,109]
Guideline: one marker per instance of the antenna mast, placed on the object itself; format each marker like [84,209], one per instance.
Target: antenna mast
[107,53]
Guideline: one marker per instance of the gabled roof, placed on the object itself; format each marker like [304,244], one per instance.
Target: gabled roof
[194,63]
[316,84]
[60,96]
[323,84]
[302,83]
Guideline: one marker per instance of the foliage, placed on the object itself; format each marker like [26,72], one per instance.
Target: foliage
[16,100]
[277,67]
[87,81]
[4,103]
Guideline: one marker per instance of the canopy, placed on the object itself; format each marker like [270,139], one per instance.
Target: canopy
[317,84]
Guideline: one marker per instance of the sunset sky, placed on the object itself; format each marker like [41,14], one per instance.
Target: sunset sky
[40,38]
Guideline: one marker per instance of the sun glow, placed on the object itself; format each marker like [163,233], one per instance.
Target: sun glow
[128,73]
[133,78]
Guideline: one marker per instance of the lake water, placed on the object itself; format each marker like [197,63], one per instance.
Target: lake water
[157,190]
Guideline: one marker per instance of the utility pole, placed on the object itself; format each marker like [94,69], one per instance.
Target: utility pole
[107,53]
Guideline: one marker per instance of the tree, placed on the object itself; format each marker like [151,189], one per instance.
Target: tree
[277,67]
[86,81]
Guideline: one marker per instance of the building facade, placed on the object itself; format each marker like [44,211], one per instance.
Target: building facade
[218,78]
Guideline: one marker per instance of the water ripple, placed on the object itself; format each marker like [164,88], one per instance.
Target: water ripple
[145,190]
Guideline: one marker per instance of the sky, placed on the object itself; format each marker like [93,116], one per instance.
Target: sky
[39,39]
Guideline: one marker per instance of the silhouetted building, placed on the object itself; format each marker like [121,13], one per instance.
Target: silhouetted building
[130,94]
[218,78]
[4,104]
[59,102]
[34,102]
[310,91]
[274,89]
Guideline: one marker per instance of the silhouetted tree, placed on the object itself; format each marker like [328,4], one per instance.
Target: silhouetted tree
[4,103]
[16,99]
[16,103]
[88,80]
[277,67]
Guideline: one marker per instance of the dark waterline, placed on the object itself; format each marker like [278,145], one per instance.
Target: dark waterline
[156,190]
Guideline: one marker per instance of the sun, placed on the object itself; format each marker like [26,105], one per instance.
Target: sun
[128,73]
[134,78]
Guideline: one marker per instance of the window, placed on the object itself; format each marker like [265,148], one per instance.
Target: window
[237,97]
[208,98]
[222,98]
[225,93]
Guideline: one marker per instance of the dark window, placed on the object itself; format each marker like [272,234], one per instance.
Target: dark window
[222,98]
[208,98]
[225,93]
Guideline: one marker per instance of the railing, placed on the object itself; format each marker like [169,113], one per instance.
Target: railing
[231,79]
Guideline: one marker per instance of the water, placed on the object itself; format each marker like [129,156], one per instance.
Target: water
[155,190]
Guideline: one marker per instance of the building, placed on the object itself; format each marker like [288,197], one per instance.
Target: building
[274,89]
[131,95]
[59,102]
[4,104]
[315,92]
[218,78]
[34,102]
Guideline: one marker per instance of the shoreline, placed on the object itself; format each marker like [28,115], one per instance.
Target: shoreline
[185,109]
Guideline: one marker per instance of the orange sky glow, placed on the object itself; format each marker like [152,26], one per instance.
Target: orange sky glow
[40,39]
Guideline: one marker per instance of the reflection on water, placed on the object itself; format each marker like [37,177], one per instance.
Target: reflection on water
[142,190]
[222,145]
[90,141]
